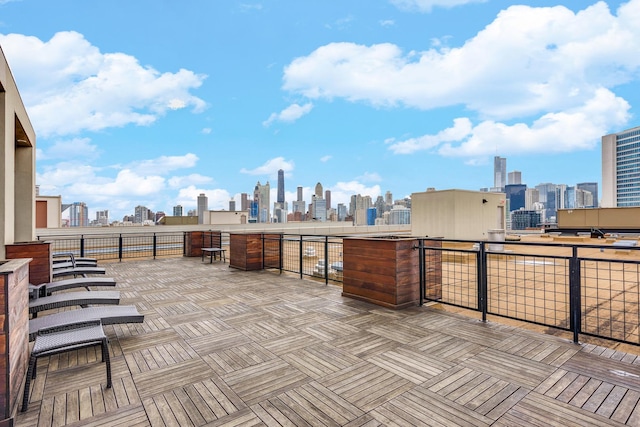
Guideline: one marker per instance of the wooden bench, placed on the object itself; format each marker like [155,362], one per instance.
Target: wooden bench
[213,253]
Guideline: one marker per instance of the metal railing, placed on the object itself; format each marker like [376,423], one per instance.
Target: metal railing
[120,246]
[584,289]
[313,256]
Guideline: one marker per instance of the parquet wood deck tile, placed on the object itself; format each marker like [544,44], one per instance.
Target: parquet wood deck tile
[222,347]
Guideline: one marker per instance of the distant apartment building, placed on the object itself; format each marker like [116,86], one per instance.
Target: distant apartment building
[142,214]
[78,215]
[514,178]
[203,206]
[177,210]
[523,220]
[232,205]
[399,215]
[620,165]
[591,187]
[341,212]
[102,217]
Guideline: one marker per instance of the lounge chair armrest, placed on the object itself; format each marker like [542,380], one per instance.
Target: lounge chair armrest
[70,326]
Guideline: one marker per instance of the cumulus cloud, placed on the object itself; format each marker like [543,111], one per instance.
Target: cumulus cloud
[341,192]
[69,149]
[69,86]
[289,115]
[574,129]
[427,5]
[325,159]
[218,199]
[271,167]
[164,164]
[538,67]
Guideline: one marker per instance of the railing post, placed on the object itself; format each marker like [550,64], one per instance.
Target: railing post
[301,255]
[482,280]
[120,247]
[82,245]
[155,242]
[326,260]
[574,295]
[184,243]
[423,281]
[280,252]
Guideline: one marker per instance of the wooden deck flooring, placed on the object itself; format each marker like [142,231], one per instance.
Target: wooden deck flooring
[221,347]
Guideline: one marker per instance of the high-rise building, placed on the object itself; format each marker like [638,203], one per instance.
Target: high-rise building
[280,196]
[515,196]
[203,206]
[261,197]
[318,191]
[232,205]
[514,178]
[399,215]
[499,173]
[531,198]
[342,211]
[380,206]
[177,210]
[620,165]
[388,198]
[78,215]
[142,214]
[327,197]
[102,217]
[522,220]
[591,187]
[244,202]
[299,193]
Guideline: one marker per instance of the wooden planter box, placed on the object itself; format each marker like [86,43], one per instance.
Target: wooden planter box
[382,271]
[14,333]
[196,240]
[245,251]
[41,256]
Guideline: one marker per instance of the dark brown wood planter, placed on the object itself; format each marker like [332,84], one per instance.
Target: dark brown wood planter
[196,240]
[14,333]
[40,253]
[245,251]
[382,271]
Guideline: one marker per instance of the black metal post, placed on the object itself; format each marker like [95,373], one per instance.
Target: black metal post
[300,257]
[482,280]
[155,245]
[184,243]
[82,245]
[120,247]
[326,260]
[423,281]
[574,295]
[280,252]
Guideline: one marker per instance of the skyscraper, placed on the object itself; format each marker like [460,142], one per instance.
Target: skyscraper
[591,187]
[261,197]
[620,163]
[280,197]
[78,215]
[177,210]
[499,173]
[232,205]
[327,197]
[318,191]
[514,177]
[102,217]
[203,206]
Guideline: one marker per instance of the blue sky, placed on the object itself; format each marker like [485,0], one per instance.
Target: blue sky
[152,102]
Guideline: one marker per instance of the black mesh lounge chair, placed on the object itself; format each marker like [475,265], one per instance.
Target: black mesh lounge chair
[68,337]
[108,314]
[45,289]
[77,271]
[64,257]
[67,299]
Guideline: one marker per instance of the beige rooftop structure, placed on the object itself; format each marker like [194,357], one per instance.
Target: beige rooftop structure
[17,170]
[457,214]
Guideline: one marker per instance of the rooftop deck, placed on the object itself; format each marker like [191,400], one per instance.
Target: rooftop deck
[226,347]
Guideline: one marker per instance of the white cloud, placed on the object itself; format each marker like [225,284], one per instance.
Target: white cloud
[164,164]
[290,114]
[427,5]
[184,181]
[206,131]
[271,167]
[217,199]
[535,70]
[69,86]
[370,177]
[574,129]
[69,149]
[326,158]
[387,22]
[341,192]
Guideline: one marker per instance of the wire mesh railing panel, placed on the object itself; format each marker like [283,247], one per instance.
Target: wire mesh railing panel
[102,247]
[610,299]
[291,254]
[530,288]
[59,246]
[170,244]
[451,277]
[137,246]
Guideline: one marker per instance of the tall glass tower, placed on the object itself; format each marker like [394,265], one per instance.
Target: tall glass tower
[280,197]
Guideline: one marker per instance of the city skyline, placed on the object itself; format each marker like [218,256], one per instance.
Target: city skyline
[158,105]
